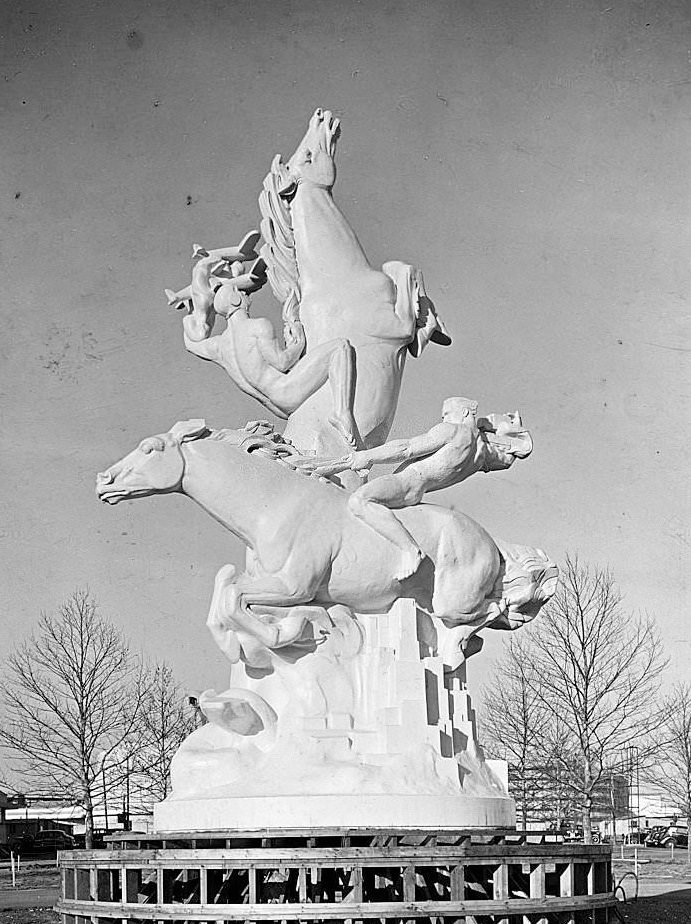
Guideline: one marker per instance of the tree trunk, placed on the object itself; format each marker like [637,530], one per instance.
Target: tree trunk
[88,816]
[688,836]
[587,801]
[587,830]
[524,807]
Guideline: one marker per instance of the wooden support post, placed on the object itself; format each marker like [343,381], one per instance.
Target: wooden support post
[316,881]
[537,881]
[203,886]
[500,888]
[566,886]
[409,884]
[356,882]
[458,883]
[252,874]
[302,884]
[93,883]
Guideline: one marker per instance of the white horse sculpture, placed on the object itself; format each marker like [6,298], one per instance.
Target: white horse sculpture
[308,552]
[311,252]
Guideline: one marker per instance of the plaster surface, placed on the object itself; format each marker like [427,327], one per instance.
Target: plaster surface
[349,629]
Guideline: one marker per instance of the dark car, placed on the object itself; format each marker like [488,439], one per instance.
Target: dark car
[20,843]
[654,835]
[675,835]
[44,843]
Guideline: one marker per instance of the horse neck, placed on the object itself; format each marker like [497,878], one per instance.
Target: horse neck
[325,244]
[222,479]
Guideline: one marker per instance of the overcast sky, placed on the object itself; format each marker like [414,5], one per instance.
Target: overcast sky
[531,156]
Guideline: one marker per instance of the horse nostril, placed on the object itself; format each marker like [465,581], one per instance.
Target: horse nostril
[104,478]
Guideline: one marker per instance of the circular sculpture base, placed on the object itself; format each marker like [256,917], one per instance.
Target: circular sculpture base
[337,876]
[335,811]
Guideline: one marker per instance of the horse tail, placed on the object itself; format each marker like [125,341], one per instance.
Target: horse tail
[278,251]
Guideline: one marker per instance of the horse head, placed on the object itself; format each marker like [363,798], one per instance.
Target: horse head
[313,161]
[156,466]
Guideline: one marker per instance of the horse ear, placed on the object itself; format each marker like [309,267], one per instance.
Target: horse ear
[185,430]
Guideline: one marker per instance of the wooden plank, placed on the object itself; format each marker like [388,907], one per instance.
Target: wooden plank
[356,883]
[500,887]
[478,854]
[335,911]
[537,882]
[409,883]
[458,883]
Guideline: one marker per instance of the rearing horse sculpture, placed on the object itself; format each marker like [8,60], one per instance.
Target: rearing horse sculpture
[312,252]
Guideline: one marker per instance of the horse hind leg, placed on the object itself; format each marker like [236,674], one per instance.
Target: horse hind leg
[457,637]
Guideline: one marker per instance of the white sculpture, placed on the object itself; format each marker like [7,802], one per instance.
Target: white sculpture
[313,254]
[310,550]
[249,351]
[349,628]
[446,455]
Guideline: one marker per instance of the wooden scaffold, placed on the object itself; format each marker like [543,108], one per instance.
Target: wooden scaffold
[464,877]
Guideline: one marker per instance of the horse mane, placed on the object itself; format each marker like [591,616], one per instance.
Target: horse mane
[260,436]
[278,251]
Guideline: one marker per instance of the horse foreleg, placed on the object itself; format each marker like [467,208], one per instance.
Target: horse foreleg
[221,628]
[231,617]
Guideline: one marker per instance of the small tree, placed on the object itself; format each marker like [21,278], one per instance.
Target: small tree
[596,671]
[72,695]
[675,746]
[165,720]
[513,724]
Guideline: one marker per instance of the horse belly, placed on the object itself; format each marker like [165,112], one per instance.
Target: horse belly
[344,306]
[361,575]
[379,368]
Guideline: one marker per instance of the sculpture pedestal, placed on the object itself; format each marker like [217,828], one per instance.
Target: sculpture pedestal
[368,730]
[412,812]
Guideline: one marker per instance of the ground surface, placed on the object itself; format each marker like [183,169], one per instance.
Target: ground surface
[664,888]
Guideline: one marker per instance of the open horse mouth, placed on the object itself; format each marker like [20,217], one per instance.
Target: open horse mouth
[286,184]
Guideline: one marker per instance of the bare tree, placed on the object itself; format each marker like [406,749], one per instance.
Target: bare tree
[165,720]
[513,724]
[72,695]
[595,670]
[675,747]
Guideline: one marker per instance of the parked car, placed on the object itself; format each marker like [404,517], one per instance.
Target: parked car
[43,843]
[675,835]
[576,835]
[20,843]
[654,835]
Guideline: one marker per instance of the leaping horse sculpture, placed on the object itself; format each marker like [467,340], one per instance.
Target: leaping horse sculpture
[312,253]
[309,552]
